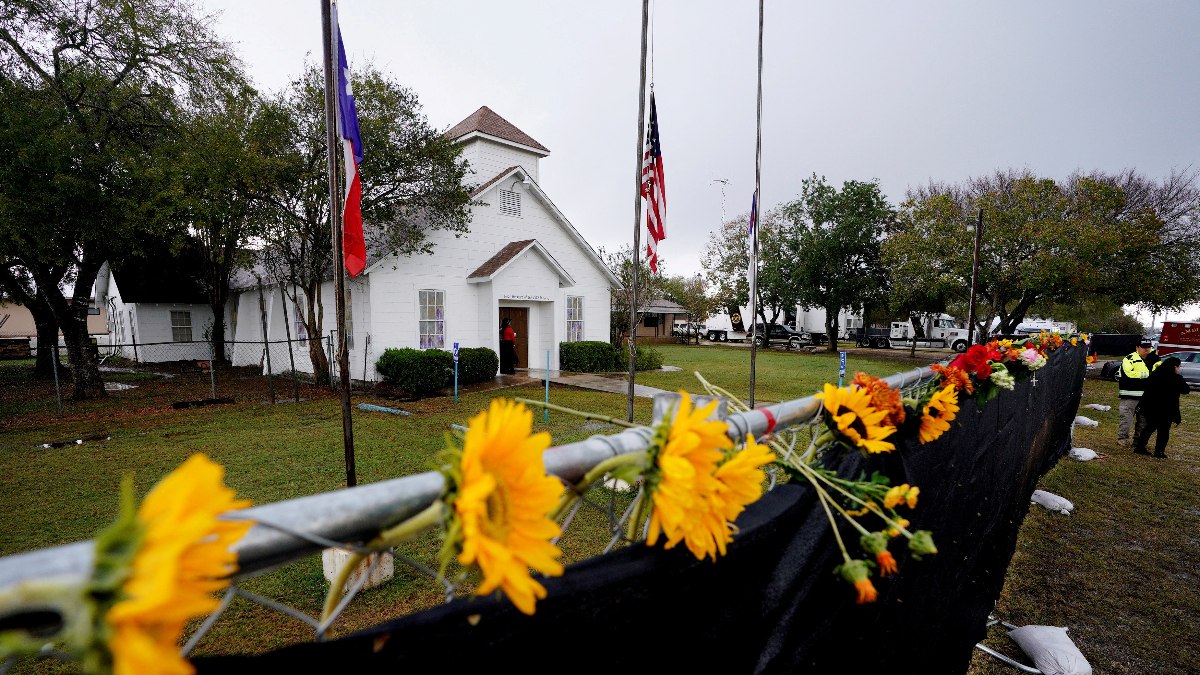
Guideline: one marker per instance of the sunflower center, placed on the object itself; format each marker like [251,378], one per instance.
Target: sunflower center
[858,427]
[499,515]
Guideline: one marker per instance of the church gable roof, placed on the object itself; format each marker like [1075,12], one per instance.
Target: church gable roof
[510,252]
[486,121]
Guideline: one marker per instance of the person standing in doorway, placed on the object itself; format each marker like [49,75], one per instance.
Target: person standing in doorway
[1131,382]
[508,348]
[1159,407]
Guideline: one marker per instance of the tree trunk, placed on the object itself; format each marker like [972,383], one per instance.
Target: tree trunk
[72,320]
[47,339]
[218,332]
[313,320]
[831,317]
[85,366]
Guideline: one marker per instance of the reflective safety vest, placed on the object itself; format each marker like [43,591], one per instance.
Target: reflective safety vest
[1132,382]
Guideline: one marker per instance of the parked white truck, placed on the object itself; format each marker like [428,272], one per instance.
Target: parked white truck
[727,325]
[938,331]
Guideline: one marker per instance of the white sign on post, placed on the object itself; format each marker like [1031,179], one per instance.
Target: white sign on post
[456,352]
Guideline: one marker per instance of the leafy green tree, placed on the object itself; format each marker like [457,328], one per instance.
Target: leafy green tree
[834,246]
[726,260]
[91,94]
[1041,242]
[651,287]
[413,181]
[691,294]
[229,165]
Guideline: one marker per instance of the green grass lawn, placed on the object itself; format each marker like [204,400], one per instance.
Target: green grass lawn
[779,375]
[1120,571]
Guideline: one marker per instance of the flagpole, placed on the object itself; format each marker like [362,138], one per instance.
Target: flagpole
[637,214]
[335,219]
[758,203]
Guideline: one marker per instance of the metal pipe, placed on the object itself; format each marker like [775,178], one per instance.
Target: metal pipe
[357,514]
[758,223]
[335,219]
[636,258]
[974,278]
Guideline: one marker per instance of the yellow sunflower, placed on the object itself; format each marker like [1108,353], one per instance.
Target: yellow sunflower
[856,419]
[684,479]
[502,504]
[184,556]
[938,413]
[739,483]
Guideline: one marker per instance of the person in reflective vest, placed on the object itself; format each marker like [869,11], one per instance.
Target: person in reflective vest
[1131,383]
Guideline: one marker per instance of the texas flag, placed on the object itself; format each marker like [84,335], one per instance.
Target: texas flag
[354,247]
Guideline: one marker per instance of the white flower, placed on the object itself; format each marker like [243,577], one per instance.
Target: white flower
[1001,377]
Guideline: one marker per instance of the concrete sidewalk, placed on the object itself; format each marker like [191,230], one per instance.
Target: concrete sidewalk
[595,382]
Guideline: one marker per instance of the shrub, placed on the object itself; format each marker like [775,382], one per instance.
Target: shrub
[588,357]
[648,358]
[602,357]
[416,372]
[477,364]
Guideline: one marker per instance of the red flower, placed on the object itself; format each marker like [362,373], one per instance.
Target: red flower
[975,361]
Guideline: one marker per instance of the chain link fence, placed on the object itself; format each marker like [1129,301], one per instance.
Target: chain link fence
[275,371]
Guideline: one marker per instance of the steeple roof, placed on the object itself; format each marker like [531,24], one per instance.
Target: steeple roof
[486,121]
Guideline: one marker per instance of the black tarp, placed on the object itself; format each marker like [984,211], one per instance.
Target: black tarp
[773,604]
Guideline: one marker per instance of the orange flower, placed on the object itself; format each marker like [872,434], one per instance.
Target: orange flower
[883,397]
[887,564]
[866,591]
[957,377]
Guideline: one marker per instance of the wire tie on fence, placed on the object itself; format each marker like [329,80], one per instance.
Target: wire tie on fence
[226,598]
[277,606]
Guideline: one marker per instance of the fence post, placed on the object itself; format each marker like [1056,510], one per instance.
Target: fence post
[329,358]
[132,331]
[212,368]
[54,365]
[547,418]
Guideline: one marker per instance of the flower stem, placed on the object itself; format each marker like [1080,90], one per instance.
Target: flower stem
[596,473]
[388,538]
[578,413]
[873,507]
[823,496]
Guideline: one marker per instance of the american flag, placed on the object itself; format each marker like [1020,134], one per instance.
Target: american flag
[654,189]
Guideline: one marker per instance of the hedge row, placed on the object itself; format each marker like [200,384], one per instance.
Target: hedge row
[422,373]
[602,357]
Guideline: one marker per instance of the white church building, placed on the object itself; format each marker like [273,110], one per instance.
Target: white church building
[522,259]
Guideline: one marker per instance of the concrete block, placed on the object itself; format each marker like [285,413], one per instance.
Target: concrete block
[334,559]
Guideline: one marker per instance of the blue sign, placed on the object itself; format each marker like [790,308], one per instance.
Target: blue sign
[842,369]
[456,356]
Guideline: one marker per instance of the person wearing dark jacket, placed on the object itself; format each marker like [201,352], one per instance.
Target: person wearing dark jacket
[1159,407]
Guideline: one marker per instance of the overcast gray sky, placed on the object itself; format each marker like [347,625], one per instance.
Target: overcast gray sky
[896,91]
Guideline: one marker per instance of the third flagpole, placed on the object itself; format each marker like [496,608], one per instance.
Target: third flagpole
[757,225]
[339,269]
[637,214]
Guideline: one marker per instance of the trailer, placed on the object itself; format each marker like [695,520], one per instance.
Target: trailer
[726,326]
